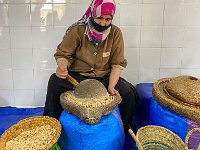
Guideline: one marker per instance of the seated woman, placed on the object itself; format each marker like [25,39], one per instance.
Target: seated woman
[92,48]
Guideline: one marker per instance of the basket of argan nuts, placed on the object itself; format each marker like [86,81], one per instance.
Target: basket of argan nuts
[34,133]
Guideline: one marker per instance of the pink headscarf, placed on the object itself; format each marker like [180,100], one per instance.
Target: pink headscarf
[96,9]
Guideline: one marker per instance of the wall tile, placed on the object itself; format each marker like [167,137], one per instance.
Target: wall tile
[192,1]
[6,80]
[153,1]
[61,1]
[173,36]
[80,10]
[4,1]
[116,19]
[192,14]
[40,97]
[42,37]
[4,37]
[42,1]
[149,58]
[151,36]
[23,79]
[132,56]
[4,15]
[191,58]
[161,40]
[41,78]
[171,58]
[131,36]
[44,59]
[174,14]
[191,72]
[24,98]
[152,14]
[64,14]
[130,1]
[20,37]
[58,34]
[41,15]
[174,1]
[168,73]
[5,59]
[19,1]
[130,73]
[6,98]
[81,1]
[19,14]
[130,14]
[22,59]
[153,75]
[191,37]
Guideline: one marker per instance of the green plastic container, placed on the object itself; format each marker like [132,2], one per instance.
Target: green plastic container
[55,147]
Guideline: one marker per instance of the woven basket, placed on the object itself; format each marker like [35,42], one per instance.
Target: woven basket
[28,124]
[155,138]
[167,92]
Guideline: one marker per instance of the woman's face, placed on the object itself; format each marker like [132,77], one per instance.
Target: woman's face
[103,20]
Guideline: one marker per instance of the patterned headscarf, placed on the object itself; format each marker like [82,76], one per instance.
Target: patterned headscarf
[96,9]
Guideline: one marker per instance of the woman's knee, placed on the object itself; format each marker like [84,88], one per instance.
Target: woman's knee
[127,91]
[123,87]
[53,78]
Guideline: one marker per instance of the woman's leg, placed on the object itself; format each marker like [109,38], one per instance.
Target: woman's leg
[129,98]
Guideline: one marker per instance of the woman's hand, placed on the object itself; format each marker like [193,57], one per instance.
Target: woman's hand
[61,70]
[113,91]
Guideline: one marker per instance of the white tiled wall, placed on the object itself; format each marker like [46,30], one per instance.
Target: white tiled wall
[162,39]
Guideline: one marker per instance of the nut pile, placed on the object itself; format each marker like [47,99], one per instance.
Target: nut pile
[35,138]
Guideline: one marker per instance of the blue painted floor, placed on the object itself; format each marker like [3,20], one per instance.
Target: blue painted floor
[129,143]
[11,115]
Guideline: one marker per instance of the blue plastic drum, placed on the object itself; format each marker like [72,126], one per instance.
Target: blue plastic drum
[108,134]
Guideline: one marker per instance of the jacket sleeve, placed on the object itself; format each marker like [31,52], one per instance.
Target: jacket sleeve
[117,58]
[67,48]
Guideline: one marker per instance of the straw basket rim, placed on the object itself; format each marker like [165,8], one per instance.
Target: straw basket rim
[164,136]
[174,141]
[29,123]
[156,134]
[168,101]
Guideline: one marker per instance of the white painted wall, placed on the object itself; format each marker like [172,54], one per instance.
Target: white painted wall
[162,39]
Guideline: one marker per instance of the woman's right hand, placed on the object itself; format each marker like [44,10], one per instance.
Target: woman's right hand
[61,70]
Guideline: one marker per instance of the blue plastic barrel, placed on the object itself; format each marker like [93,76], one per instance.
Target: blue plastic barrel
[108,134]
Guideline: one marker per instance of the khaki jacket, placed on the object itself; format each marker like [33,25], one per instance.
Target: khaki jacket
[85,57]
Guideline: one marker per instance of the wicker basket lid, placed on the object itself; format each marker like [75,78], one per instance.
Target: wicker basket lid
[89,101]
[180,94]
[38,132]
[185,88]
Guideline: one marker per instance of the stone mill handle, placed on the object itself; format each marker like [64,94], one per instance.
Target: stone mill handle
[72,80]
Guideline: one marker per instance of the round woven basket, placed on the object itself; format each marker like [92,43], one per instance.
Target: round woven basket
[28,124]
[155,137]
[162,89]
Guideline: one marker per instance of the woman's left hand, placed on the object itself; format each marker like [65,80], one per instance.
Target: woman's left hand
[113,91]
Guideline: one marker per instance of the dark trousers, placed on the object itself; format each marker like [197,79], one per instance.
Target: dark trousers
[57,86]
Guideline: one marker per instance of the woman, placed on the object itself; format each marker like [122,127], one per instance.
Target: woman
[92,48]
